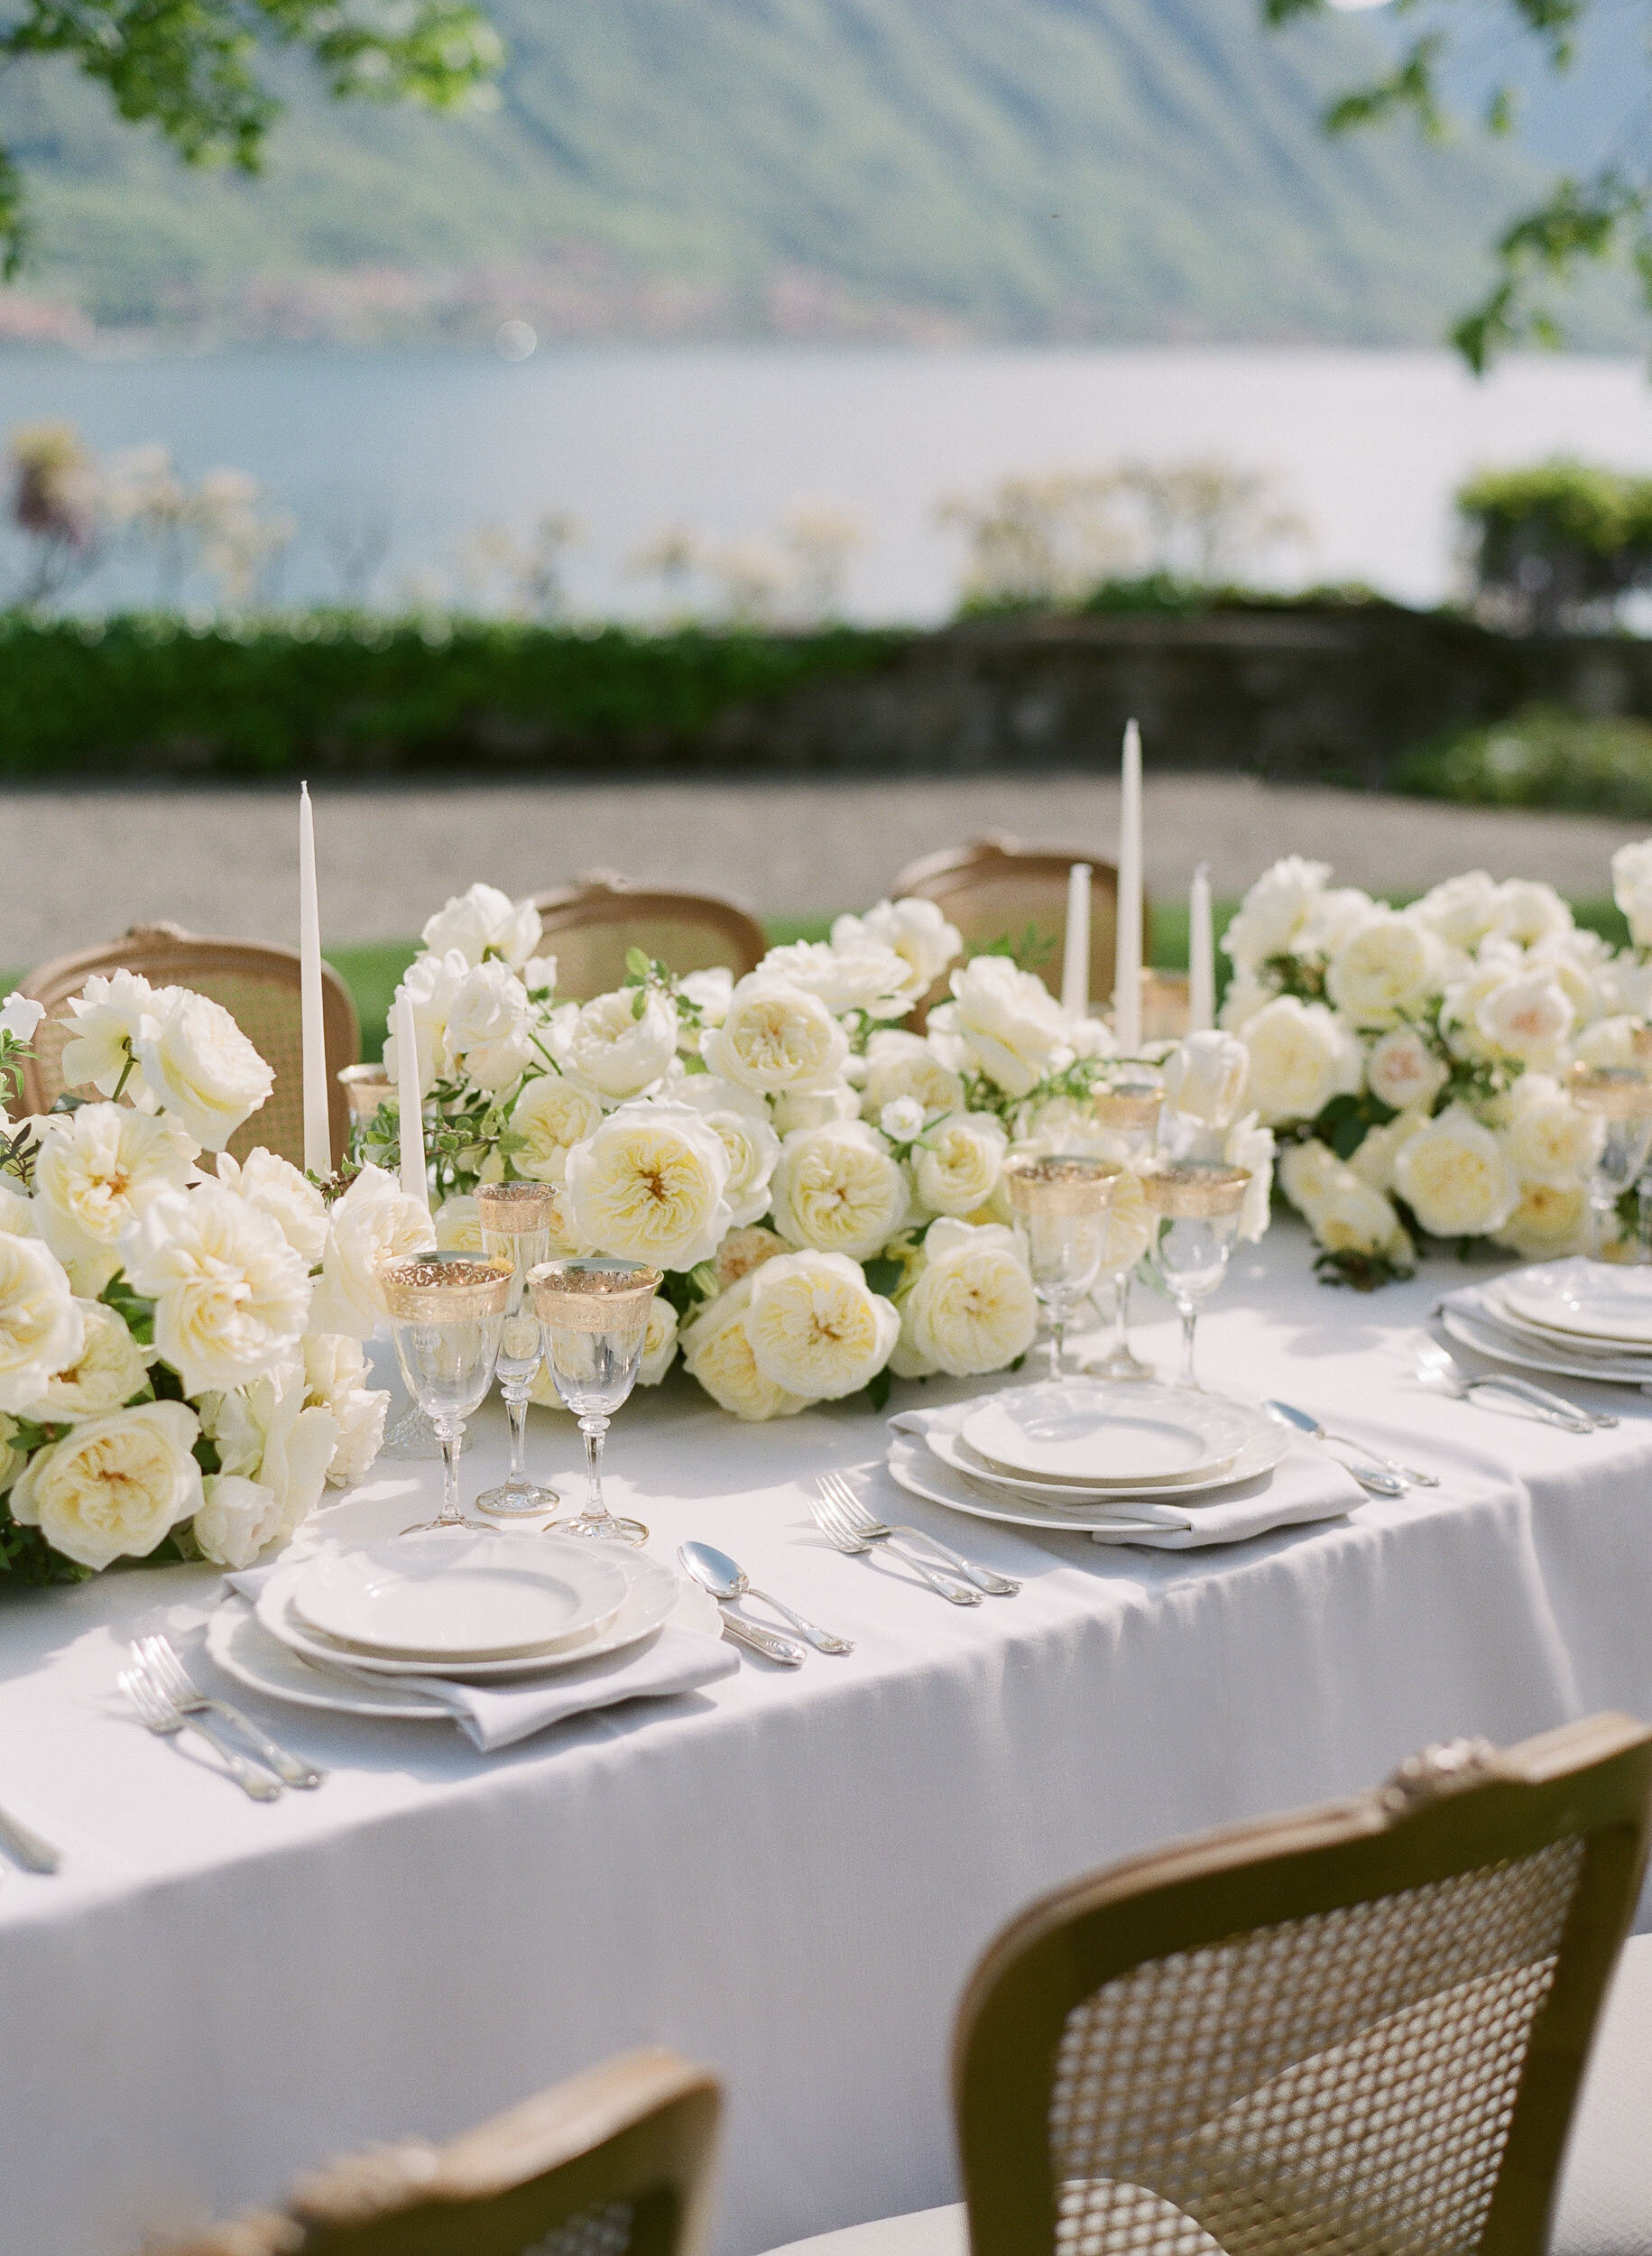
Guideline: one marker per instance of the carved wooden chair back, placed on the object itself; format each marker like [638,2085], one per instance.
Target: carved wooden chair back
[590,925]
[1355,2030]
[614,2163]
[258,986]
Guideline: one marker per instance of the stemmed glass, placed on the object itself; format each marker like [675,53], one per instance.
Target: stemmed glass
[595,1315]
[1129,1110]
[1621,1098]
[1061,1204]
[1195,1212]
[516,1221]
[447,1311]
[367,1088]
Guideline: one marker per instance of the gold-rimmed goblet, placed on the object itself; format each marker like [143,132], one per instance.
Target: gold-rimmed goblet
[1129,1111]
[1060,1203]
[447,1311]
[593,1313]
[1620,1099]
[1196,1210]
[516,1223]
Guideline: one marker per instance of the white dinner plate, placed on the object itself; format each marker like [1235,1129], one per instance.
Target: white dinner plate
[466,1596]
[913,1468]
[244,1649]
[1104,1436]
[1486,1305]
[650,1598]
[1489,1338]
[1262,1447]
[1593,1300]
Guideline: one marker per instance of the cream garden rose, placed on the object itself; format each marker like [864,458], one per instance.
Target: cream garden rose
[649,1185]
[98,1169]
[373,1223]
[776,1037]
[860,975]
[1631,884]
[915,930]
[1403,1070]
[236,1520]
[551,1116]
[482,923]
[741,1119]
[42,1329]
[968,1305]
[486,1029]
[816,1327]
[276,1187]
[231,1296]
[336,1379]
[837,1189]
[201,1068]
[110,1015]
[1301,1056]
[717,1352]
[1004,1022]
[1527,1016]
[272,1434]
[618,1052]
[902,1065]
[960,1163]
[1389,964]
[1205,1078]
[114,1487]
[1455,1175]
[659,1343]
[109,1370]
[1548,1139]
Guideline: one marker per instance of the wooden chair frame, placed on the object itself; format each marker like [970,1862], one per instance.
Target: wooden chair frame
[602,898]
[167,956]
[641,2129]
[1439,1817]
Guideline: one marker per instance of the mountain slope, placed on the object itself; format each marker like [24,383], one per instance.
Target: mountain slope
[1097,169]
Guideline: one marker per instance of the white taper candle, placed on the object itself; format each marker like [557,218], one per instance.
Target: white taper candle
[410,1130]
[1201,956]
[1127,954]
[317,1133]
[1075,954]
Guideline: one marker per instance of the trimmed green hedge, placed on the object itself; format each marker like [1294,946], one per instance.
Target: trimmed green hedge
[1540,757]
[139,695]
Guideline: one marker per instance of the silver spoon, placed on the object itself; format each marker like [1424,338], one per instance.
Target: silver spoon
[1381,1480]
[716,1572]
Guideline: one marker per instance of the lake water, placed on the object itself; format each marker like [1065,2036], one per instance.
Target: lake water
[410,453]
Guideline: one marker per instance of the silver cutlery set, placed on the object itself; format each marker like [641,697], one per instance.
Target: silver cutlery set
[167,1701]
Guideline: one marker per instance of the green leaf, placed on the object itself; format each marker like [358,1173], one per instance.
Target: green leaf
[638,965]
[884,1275]
[206,1453]
[878,1388]
[639,1003]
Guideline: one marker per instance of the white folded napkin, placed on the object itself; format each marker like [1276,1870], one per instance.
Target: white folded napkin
[673,1660]
[1307,1484]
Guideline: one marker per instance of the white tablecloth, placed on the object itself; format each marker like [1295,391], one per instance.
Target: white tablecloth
[789,1875]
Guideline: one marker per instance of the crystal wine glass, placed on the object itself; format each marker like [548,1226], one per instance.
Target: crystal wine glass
[367,1088]
[1196,1210]
[1061,1204]
[595,1315]
[447,1311]
[1129,1111]
[516,1221]
[1620,1098]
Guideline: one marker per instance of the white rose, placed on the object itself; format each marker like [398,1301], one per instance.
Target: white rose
[1631,885]
[837,1189]
[538,975]
[1308,1173]
[710,992]
[97,1170]
[617,1051]
[900,1065]
[231,1296]
[111,1016]
[1529,913]
[1548,1139]
[649,1185]
[16,1213]
[1373,1157]
[1333,920]
[960,1163]
[458,1224]
[1004,1021]
[114,1487]
[551,1116]
[276,1187]
[659,1343]
[1272,913]
[109,1370]
[817,1328]
[914,928]
[1301,1056]
[1390,965]
[485,922]
[41,1328]
[862,975]
[1527,1017]
[903,1120]
[488,1018]
[237,1519]
[1353,1218]
[969,1306]
[1550,1219]
[268,1432]
[1455,1175]
[373,1222]
[336,1379]
[717,1353]
[201,1068]
[1251,1147]
[1067,1124]
[19,1016]
[776,1037]
[429,983]
[1461,910]
[741,1119]
[1205,1078]
[1402,1070]
[814,1108]
[1245,998]
[1609,1041]
[743,1251]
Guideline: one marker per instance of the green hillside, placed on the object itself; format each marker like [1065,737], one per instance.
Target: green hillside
[1082,168]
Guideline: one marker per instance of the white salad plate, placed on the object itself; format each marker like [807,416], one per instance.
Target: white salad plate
[240,1645]
[1483,1332]
[1120,1439]
[448,1598]
[921,1474]
[651,1592]
[1589,1300]
[1262,1447]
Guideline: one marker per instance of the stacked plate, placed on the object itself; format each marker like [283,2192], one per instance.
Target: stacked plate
[344,1628]
[1074,1454]
[1576,1319]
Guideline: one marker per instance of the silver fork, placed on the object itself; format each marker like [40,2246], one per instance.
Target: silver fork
[156,1655]
[864,1523]
[156,1712]
[842,1537]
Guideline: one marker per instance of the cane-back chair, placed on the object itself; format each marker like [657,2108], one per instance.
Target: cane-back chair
[589,927]
[257,984]
[996,889]
[616,2162]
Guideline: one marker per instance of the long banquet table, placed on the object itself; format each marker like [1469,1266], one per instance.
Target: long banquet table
[789,1875]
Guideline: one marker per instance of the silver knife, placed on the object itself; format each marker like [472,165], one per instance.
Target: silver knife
[768,1642]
